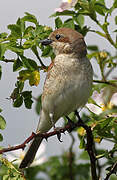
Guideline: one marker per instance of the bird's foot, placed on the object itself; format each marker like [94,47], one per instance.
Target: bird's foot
[57,129]
[71,123]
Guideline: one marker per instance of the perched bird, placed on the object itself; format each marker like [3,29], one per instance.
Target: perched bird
[68,83]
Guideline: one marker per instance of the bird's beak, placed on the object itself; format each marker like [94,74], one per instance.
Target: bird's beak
[46,42]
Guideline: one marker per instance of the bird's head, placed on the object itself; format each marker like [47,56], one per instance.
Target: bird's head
[66,40]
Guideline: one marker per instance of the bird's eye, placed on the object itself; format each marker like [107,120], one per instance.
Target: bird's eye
[58,36]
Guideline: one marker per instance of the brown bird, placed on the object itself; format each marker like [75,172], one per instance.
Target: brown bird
[67,86]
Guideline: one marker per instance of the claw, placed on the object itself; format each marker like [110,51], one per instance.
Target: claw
[71,123]
[58,133]
[59,136]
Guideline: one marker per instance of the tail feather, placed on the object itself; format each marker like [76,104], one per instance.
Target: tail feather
[30,155]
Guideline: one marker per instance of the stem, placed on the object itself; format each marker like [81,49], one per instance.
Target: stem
[89,147]
[107,35]
[8,60]
[105,82]
[113,170]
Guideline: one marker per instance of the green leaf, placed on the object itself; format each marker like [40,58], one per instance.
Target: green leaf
[2,123]
[17,65]
[3,35]
[6,177]
[64,13]
[1,137]
[38,105]
[100,7]
[116,20]
[28,103]
[79,20]
[69,23]
[93,48]
[58,22]
[27,94]
[46,51]
[0,71]
[16,49]
[29,63]
[115,4]
[82,143]
[15,30]
[30,18]
[21,24]
[3,48]
[18,102]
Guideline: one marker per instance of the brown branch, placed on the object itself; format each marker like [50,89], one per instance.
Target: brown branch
[89,147]
[112,171]
[43,135]
[69,127]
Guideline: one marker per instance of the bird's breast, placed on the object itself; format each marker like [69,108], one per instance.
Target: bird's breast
[67,86]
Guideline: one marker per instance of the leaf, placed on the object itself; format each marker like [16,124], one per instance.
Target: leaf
[69,23]
[3,48]
[2,123]
[64,13]
[3,35]
[58,22]
[100,8]
[28,103]
[27,94]
[15,30]
[21,24]
[0,71]
[30,18]
[34,78]
[79,20]
[116,20]
[16,49]
[115,4]
[17,65]
[46,51]
[38,105]
[29,63]
[1,137]
[82,143]
[93,48]
[18,102]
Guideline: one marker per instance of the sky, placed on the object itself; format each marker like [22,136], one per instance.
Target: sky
[21,122]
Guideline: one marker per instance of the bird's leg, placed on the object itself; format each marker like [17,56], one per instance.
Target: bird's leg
[52,120]
[55,129]
[78,116]
[71,123]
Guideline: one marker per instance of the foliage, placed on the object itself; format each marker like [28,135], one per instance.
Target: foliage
[26,35]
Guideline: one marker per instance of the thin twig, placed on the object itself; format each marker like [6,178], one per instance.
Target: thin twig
[113,168]
[8,60]
[105,82]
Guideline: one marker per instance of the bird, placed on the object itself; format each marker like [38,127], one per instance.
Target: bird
[67,85]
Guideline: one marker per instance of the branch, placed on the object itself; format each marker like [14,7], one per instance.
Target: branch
[105,82]
[112,171]
[89,147]
[8,60]
[69,127]
[43,135]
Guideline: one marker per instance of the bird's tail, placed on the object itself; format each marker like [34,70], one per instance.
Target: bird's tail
[30,155]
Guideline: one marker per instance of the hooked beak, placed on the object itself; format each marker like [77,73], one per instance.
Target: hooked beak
[46,42]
